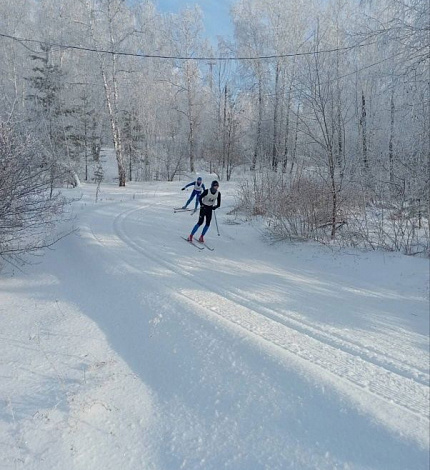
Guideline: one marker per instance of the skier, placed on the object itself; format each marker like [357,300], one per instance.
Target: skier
[207,201]
[199,187]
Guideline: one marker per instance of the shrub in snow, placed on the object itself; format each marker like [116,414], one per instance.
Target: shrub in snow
[29,207]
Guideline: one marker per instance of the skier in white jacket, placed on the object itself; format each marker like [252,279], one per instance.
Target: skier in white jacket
[210,199]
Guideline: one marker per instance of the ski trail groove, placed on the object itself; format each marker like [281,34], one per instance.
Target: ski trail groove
[335,339]
[370,354]
[319,349]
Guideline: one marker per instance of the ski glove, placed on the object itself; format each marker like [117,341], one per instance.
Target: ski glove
[214,207]
[182,189]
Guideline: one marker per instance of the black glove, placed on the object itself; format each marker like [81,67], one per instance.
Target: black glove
[214,207]
[182,189]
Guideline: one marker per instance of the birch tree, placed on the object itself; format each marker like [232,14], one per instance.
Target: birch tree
[187,41]
[110,27]
[251,41]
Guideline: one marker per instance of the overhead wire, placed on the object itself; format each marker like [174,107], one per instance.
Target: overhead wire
[178,57]
[240,58]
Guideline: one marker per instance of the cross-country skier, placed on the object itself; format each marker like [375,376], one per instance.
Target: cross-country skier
[199,187]
[207,201]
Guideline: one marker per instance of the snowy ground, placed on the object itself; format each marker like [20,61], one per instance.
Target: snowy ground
[127,348]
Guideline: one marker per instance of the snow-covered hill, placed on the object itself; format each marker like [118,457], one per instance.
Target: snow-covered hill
[126,347]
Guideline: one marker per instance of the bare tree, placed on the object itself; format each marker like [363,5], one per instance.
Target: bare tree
[28,212]
[188,41]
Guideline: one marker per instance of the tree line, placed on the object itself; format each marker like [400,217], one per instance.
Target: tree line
[325,104]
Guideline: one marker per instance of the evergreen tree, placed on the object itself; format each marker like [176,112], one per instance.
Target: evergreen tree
[50,117]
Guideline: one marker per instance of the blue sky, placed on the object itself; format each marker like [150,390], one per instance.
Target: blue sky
[216,14]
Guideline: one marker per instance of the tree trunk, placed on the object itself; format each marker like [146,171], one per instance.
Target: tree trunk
[190,118]
[115,133]
[333,195]
[192,150]
[340,149]
[296,134]
[259,123]
[287,123]
[363,124]
[224,129]
[391,142]
[275,157]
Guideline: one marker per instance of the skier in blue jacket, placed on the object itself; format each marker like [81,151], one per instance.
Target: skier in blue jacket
[210,199]
[199,187]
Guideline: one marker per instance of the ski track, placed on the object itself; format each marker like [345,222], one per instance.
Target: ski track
[386,376]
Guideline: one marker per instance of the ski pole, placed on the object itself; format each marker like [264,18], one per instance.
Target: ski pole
[216,222]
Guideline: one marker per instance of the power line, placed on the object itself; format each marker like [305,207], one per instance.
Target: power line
[172,57]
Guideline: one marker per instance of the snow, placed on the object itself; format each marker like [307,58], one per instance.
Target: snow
[124,347]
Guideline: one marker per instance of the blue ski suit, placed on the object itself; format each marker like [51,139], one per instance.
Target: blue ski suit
[197,191]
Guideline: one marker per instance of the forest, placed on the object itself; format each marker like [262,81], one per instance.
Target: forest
[319,109]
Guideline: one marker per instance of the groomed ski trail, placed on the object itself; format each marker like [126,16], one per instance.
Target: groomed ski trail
[388,380]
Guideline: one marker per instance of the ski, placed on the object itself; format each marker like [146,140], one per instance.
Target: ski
[208,247]
[192,243]
[179,209]
[203,244]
